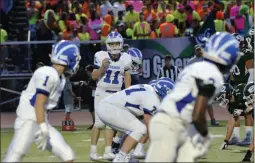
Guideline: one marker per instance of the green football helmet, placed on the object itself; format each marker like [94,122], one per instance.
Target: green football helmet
[225,95]
[249,96]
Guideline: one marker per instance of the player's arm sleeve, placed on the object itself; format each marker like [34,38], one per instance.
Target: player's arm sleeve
[150,106]
[151,110]
[128,65]
[45,83]
[97,62]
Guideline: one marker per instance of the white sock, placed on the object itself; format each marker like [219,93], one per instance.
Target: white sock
[140,145]
[122,153]
[116,139]
[93,149]
[236,132]
[108,149]
[248,129]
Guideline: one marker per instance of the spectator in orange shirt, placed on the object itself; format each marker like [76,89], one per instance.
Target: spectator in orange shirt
[168,29]
[106,28]
[204,12]
[154,29]
[149,14]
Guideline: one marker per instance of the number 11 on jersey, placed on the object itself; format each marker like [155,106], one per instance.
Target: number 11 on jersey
[108,76]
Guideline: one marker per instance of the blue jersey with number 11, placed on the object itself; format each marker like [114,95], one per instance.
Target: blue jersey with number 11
[113,78]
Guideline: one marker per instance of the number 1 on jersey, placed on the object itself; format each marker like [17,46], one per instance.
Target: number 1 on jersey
[129,91]
[46,80]
[108,76]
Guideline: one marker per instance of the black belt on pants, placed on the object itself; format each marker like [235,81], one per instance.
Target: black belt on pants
[109,91]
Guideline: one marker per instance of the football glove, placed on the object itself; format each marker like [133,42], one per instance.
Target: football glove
[42,136]
[224,145]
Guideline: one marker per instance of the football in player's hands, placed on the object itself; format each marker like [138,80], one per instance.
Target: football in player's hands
[106,63]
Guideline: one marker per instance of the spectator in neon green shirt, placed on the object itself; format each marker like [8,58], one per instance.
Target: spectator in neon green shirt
[131,17]
[180,15]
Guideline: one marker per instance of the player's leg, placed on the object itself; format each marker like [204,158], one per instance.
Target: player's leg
[92,110]
[166,135]
[108,134]
[230,128]
[248,130]
[68,122]
[116,143]
[123,121]
[95,133]
[235,138]
[68,103]
[211,114]
[139,151]
[59,147]
[24,135]
[249,152]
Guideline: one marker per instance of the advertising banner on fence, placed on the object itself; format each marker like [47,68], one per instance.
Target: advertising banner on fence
[181,49]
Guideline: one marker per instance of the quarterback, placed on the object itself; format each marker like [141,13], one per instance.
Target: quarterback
[120,111]
[42,94]
[181,115]
[111,68]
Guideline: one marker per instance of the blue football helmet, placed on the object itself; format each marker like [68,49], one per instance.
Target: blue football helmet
[222,48]
[114,43]
[137,57]
[164,86]
[152,83]
[66,53]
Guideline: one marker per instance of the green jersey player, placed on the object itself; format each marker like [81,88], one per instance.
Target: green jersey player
[242,72]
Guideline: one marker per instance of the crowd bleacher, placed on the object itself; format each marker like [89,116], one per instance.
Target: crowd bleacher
[85,20]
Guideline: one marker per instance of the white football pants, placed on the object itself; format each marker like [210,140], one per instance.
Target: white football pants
[167,134]
[100,94]
[24,136]
[121,120]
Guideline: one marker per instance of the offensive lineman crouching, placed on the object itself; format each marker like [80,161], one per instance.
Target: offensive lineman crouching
[120,111]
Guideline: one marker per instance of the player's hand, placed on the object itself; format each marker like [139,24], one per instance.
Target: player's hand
[237,112]
[106,63]
[200,143]
[42,136]
[224,145]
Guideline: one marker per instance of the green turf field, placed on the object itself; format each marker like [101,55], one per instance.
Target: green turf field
[80,142]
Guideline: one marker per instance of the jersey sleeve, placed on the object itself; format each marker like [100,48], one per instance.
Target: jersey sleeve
[212,81]
[128,63]
[44,82]
[151,104]
[97,61]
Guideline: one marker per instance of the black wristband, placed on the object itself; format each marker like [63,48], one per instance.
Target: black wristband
[203,131]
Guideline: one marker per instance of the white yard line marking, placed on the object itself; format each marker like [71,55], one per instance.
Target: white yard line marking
[87,140]
[218,136]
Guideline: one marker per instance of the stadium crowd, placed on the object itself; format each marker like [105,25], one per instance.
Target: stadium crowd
[84,20]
